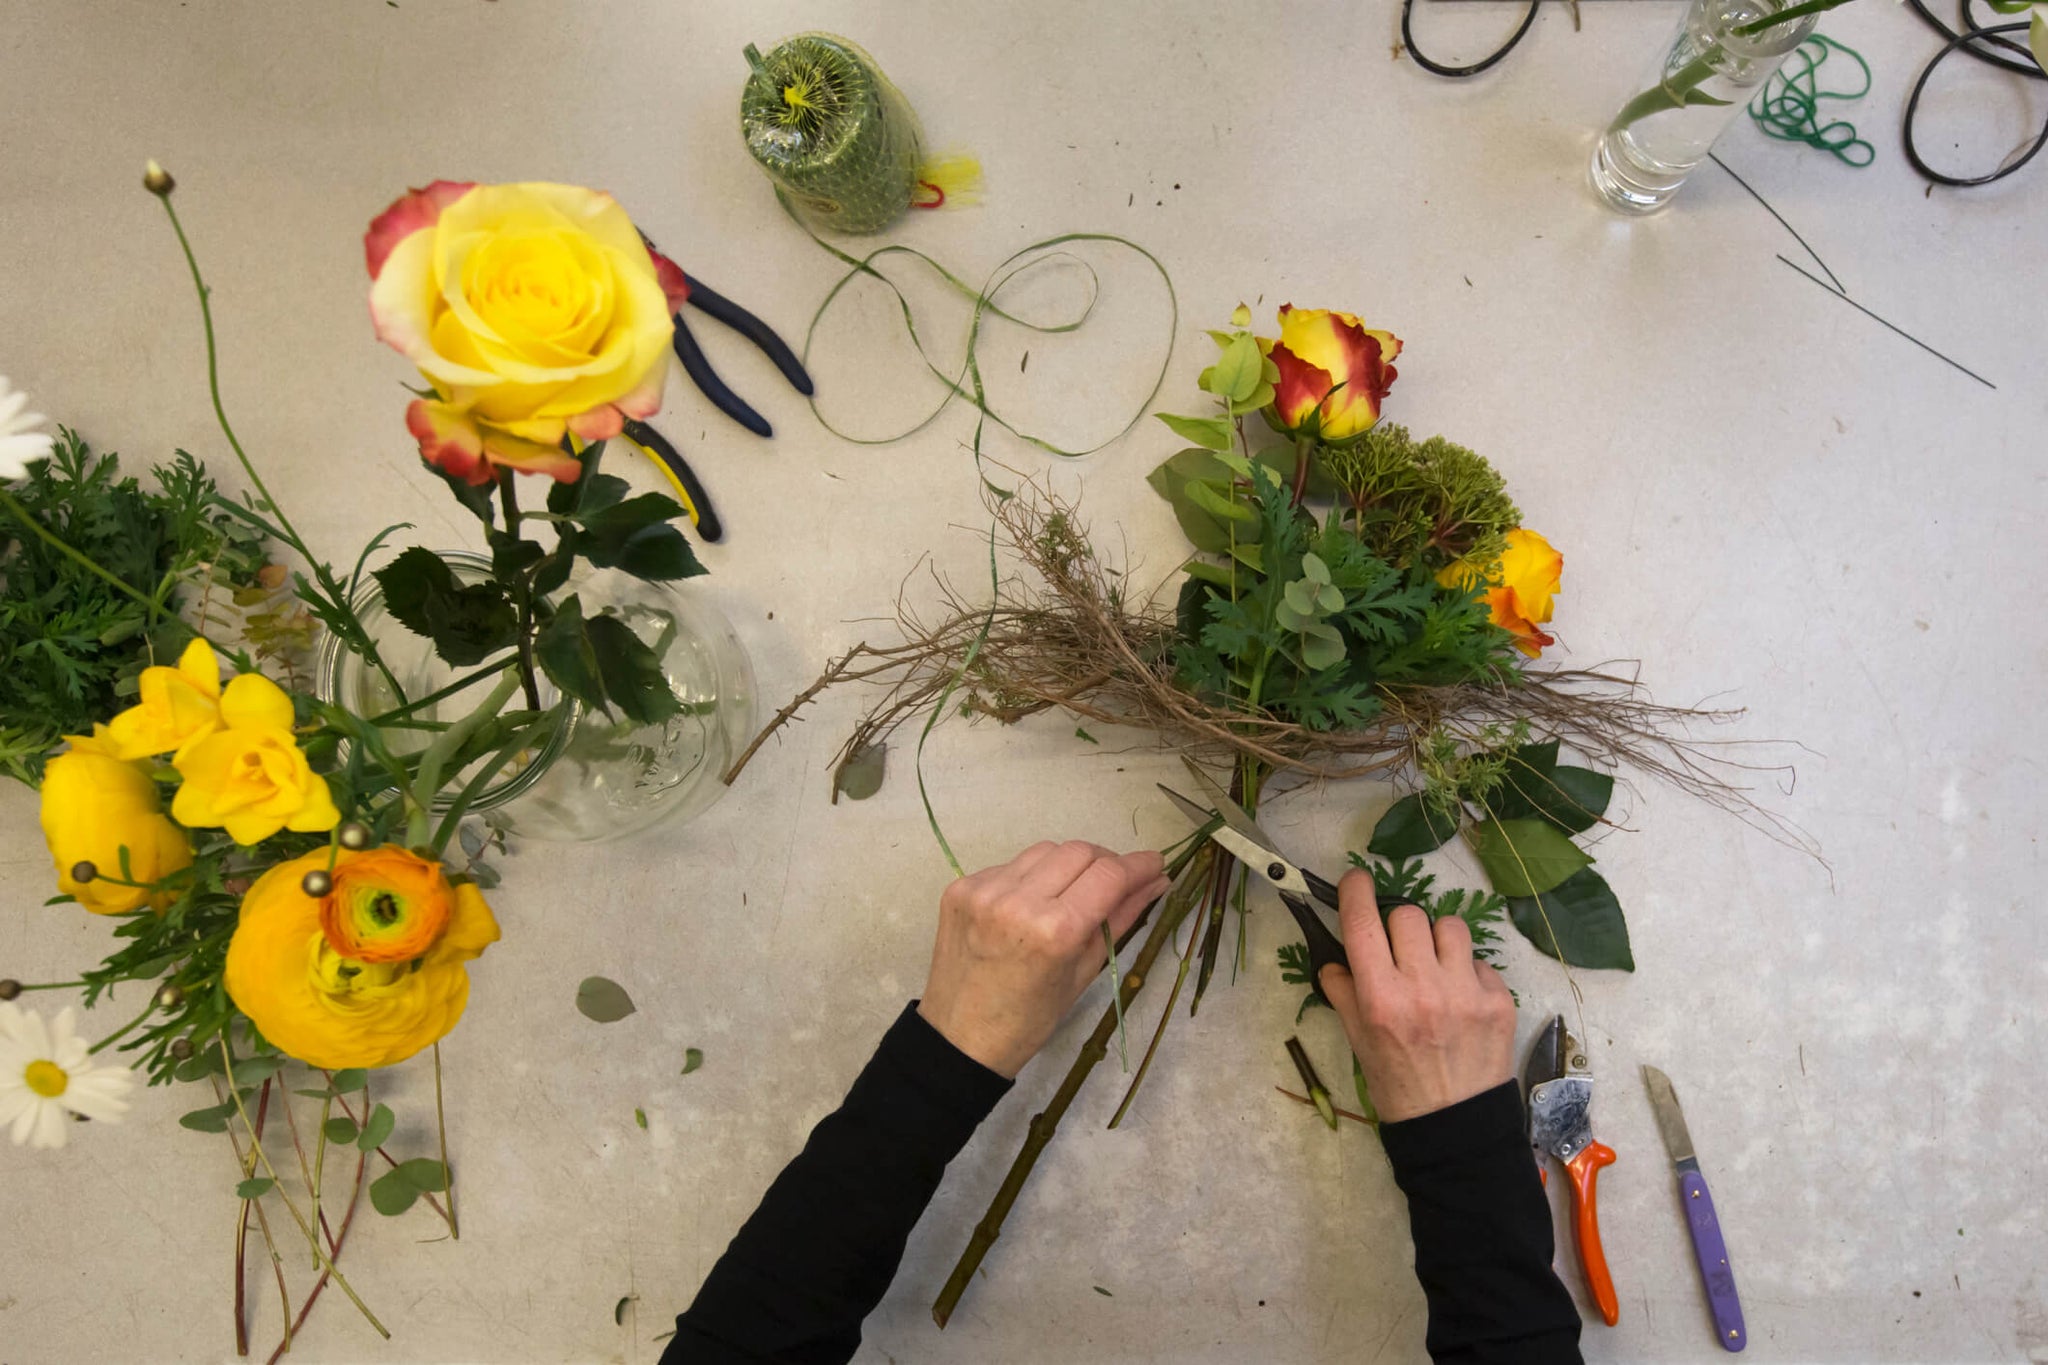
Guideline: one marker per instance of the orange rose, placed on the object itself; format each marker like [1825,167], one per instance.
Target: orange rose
[1334,372]
[1519,587]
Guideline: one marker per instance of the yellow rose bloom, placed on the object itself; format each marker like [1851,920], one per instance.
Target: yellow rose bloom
[368,974]
[179,706]
[95,804]
[249,776]
[534,310]
[1520,587]
[1334,372]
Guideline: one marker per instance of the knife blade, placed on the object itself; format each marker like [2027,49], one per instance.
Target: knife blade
[1709,1249]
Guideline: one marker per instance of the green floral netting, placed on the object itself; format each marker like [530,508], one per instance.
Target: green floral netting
[837,138]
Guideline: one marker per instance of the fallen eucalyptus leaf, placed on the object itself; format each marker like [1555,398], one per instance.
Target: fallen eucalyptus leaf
[619,1311]
[603,1000]
[640,1117]
[692,1059]
[861,775]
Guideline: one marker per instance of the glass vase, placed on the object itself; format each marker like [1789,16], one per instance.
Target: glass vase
[1703,78]
[594,776]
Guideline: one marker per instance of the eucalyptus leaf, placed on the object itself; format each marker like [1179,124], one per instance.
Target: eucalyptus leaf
[350,1080]
[1410,828]
[1578,921]
[392,1194]
[339,1129]
[250,1070]
[619,1309]
[1526,857]
[861,775]
[693,1057]
[1211,433]
[603,1000]
[424,1173]
[255,1187]
[213,1119]
[1320,651]
[379,1127]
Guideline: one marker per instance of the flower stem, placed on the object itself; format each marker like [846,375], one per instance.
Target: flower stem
[312,1237]
[125,1029]
[441,1125]
[522,589]
[444,748]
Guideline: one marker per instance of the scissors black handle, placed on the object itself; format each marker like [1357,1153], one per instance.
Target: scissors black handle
[1325,949]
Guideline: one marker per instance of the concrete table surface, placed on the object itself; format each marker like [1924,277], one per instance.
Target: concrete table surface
[1764,496]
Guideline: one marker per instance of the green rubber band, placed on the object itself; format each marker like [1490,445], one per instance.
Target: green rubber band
[1788,106]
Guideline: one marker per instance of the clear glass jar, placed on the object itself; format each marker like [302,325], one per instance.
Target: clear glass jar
[595,777]
[1703,78]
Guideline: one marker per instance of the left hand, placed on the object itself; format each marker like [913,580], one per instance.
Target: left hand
[1019,942]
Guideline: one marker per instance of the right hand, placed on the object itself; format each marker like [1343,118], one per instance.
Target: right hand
[1019,942]
[1430,1023]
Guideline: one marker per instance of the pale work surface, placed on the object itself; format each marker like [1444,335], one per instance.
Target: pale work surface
[1765,497]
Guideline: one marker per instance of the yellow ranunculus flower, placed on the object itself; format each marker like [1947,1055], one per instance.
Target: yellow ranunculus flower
[94,805]
[368,974]
[534,310]
[1334,372]
[1520,586]
[249,776]
[179,706]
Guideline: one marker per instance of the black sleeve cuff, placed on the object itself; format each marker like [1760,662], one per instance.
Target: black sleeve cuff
[1478,1127]
[936,1088]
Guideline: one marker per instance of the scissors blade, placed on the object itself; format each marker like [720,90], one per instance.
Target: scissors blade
[1234,815]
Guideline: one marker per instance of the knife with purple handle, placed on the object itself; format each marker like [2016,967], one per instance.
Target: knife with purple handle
[1707,1245]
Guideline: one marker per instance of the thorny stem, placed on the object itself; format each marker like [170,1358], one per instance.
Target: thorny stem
[522,588]
[311,1236]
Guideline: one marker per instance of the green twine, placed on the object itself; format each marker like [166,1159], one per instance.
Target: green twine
[1788,106]
[832,132]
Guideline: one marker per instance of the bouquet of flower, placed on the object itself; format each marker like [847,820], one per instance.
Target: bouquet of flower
[283,870]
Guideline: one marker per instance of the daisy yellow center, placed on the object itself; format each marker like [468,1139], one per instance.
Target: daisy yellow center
[46,1079]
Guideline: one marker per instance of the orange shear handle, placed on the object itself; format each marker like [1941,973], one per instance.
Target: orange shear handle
[1584,1170]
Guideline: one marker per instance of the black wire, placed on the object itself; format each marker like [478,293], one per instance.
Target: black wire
[1437,69]
[1913,106]
[1972,31]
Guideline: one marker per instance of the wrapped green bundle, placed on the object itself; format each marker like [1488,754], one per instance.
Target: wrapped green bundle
[833,133]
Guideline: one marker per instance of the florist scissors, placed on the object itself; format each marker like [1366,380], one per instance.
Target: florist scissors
[1240,836]
[687,291]
[1559,1086]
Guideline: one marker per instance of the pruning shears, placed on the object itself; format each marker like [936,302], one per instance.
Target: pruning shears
[1241,836]
[1558,1085]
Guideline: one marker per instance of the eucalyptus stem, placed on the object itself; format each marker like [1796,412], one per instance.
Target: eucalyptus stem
[444,748]
[441,1126]
[311,1235]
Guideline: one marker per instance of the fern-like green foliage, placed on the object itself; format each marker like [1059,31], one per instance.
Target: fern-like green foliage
[73,644]
[1482,912]
[1428,502]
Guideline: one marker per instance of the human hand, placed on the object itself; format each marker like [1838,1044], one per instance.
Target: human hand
[1019,942]
[1431,1024]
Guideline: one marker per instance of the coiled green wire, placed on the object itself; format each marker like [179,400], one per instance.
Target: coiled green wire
[1788,107]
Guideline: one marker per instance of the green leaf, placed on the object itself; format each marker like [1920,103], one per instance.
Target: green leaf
[382,1121]
[1237,371]
[392,1194]
[477,498]
[255,1188]
[1585,918]
[341,1128]
[640,1117]
[423,1173]
[1319,650]
[250,1070]
[348,1081]
[693,1057]
[467,623]
[1104,1292]
[619,1309]
[603,1000]
[1211,433]
[1571,798]
[1217,503]
[598,492]
[1525,857]
[633,681]
[1258,398]
[861,776]
[635,536]
[564,653]
[1412,827]
[213,1119]
[1082,734]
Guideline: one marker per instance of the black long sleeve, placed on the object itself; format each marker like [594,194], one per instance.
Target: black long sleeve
[819,1253]
[1483,1243]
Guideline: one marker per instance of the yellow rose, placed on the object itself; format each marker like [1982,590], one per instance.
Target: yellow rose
[1520,586]
[368,974]
[179,706]
[95,804]
[534,310]
[249,776]
[1334,372]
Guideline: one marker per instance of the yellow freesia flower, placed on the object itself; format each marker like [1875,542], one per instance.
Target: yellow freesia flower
[1520,587]
[94,805]
[368,974]
[179,706]
[250,776]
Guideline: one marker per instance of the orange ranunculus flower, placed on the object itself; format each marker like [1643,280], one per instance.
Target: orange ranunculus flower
[534,310]
[178,707]
[249,776]
[1519,587]
[366,975]
[96,804]
[1334,372]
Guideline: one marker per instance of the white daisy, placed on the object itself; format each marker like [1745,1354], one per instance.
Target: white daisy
[46,1075]
[20,442]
